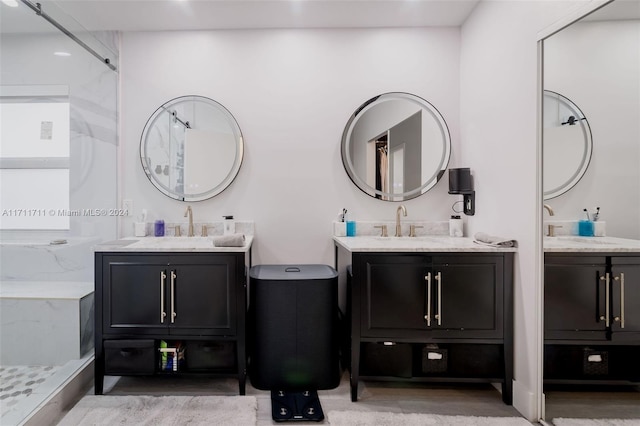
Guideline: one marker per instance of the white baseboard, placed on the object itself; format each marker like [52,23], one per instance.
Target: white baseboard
[525,402]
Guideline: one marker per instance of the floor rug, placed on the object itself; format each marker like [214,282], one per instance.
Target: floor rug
[163,410]
[560,421]
[368,418]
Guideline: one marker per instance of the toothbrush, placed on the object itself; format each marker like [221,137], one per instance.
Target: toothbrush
[587,213]
[595,216]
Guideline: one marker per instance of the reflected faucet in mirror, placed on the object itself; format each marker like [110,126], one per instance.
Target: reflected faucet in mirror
[552,228]
[403,209]
[189,213]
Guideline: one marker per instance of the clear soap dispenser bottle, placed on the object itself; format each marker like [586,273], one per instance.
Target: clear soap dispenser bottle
[229,225]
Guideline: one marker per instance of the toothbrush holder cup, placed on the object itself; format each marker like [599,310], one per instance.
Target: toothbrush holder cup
[585,228]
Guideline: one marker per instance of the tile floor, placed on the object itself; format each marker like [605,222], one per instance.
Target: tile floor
[458,399]
[444,399]
[18,382]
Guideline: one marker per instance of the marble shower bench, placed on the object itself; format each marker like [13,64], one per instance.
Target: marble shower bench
[45,322]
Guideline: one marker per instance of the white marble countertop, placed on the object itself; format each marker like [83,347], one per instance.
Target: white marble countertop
[431,243]
[576,244]
[171,245]
[45,289]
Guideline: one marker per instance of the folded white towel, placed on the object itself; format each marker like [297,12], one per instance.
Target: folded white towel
[491,240]
[232,240]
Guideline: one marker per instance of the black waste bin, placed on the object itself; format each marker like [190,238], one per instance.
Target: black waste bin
[293,315]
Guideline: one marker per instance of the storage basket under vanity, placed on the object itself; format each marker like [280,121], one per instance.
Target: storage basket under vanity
[434,359]
[595,363]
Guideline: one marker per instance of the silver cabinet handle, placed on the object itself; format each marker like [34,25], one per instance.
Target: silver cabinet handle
[601,317]
[428,316]
[621,317]
[173,298]
[163,314]
[439,313]
[606,299]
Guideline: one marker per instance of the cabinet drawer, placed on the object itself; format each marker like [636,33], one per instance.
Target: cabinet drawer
[593,362]
[206,355]
[129,357]
[379,359]
[459,360]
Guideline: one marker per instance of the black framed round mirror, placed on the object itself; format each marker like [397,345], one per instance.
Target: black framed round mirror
[396,146]
[567,144]
[191,148]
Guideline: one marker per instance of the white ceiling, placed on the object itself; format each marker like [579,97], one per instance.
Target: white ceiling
[162,15]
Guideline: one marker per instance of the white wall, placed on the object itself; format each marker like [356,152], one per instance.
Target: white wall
[606,87]
[292,92]
[498,132]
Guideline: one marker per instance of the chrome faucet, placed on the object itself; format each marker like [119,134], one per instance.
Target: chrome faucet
[189,213]
[403,209]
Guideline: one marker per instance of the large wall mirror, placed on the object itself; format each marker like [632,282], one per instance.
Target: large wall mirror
[191,148]
[567,144]
[396,146]
[592,293]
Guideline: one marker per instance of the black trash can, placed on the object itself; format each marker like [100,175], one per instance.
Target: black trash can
[293,315]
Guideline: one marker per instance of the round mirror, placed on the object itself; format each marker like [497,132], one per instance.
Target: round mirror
[566,142]
[396,146]
[191,148]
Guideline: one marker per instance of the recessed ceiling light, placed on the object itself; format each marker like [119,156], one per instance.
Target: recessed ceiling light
[10,3]
[62,53]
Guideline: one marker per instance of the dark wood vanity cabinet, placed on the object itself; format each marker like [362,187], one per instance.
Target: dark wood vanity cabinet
[196,299]
[432,317]
[592,318]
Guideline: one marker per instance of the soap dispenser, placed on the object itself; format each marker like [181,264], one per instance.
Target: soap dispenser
[229,225]
[455,226]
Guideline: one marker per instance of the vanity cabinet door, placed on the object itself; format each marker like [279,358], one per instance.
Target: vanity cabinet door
[625,295]
[134,294]
[202,292]
[467,297]
[575,296]
[394,295]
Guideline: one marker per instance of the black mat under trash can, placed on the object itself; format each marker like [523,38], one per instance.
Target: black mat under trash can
[294,343]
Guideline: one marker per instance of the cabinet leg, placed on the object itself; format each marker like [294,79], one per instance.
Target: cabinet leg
[355,370]
[354,390]
[242,383]
[507,391]
[99,383]
[98,370]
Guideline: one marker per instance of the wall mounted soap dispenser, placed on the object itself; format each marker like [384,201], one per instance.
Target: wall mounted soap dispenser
[461,182]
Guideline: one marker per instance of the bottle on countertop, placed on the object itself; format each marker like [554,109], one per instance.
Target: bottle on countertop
[229,225]
[455,226]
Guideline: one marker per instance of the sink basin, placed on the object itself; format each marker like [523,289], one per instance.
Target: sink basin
[405,239]
[580,240]
[173,242]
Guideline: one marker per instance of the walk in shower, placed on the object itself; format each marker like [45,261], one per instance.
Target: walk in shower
[58,192]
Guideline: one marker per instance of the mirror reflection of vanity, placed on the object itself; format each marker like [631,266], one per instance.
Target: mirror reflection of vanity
[592,318]
[191,148]
[396,146]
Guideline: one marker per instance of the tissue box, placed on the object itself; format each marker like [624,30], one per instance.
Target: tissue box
[140,229]
[599,228]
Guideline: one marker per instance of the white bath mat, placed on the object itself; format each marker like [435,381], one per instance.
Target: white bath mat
[377,418]
[163,410]
[560,421]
